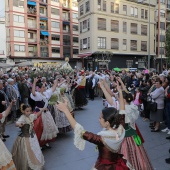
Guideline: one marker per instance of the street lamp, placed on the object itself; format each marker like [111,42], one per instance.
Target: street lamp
[149,38]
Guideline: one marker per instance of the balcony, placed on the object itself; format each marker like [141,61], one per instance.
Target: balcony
[43,1]
[31,11]
[32,54]
[168,19]
[32,26]
[44,42]
[44,54]
[43,27]
[32,40]
[168,6]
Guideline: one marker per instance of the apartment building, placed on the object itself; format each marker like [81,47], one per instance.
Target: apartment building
[120,27]
[2,41]
[42,30]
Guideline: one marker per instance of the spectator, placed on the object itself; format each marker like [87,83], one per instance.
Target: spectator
[158,96]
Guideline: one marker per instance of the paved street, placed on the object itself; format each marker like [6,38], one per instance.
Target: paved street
[64,155]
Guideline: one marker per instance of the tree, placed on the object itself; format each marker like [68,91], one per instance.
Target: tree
[167,45]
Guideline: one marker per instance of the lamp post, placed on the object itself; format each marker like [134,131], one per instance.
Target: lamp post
[149,39]
[161,50]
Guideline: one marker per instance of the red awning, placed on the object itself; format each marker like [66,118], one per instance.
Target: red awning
[84,55]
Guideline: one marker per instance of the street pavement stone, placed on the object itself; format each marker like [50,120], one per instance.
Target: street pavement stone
[64,156]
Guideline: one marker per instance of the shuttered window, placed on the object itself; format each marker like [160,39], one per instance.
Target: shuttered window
[101,24]
[143,29]
[115,43]
[115,25]
[134,28]
[143,45]
[133,45]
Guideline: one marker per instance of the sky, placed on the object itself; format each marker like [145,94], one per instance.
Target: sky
[2,8]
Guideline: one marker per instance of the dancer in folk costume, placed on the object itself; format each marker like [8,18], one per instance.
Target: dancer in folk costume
[60,118]
[108,140]
[45,127]
[6,162]
[132,146]
[26,150]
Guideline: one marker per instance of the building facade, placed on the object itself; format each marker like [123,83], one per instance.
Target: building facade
[42,30]
[3,40]
[120,27]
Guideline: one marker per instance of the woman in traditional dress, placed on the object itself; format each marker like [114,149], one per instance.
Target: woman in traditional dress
[45,127]
[108,140]
[26,150]
[6,162]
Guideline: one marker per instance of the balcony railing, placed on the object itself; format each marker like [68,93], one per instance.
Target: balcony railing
[44,54]
[32,25]
[32,54]
[32,40]
[43,42]
[32,11]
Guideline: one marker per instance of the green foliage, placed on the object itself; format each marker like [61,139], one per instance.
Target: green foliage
[167,45]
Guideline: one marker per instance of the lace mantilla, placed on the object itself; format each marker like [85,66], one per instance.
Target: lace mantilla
[78,141]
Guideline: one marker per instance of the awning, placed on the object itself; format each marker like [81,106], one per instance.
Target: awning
[46,33]
[66,23]
[31,3]
[42,18]
[84,55]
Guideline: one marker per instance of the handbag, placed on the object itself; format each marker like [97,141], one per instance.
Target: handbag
[152,105]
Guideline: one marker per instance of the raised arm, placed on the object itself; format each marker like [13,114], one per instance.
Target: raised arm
[122,84]
[107,95]
[8,110]
[121,101]
[34,86]
[54,85]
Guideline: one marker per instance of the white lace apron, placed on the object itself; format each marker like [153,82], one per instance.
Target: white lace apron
[50,129]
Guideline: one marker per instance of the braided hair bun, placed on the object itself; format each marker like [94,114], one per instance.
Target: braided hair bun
[128,97]
[23,107]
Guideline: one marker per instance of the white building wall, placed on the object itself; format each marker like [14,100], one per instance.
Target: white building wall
[2,39]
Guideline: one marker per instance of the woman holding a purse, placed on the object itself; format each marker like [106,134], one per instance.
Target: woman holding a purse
[158,97]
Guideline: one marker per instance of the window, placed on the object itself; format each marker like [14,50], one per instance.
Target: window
[132,11]
[81,10]
[125,8]
[116,8]
[18,33]
[88,42]
[55,0]
[81,24]
[161,50]
[162,14]
[85,45]
[99,5]
[88,24]
[146,14]
[104,5]
[66,39]
[134,28]
[85,25]
[162,25]
[136,12]
[66,51]
[143,29]
[143,45]
[129,63]
[18,18]
[162,1]
[41,10]
[124,44]
[55,11]
[112,7]
[75,15]
[133,45]
[101,24]
[81,44]
[30,35]
[87,6]
[115,43]
[75,39]
[162,38]
[20,48]
[125,27]
[115,25]
[55,24]
[101,42]
[142,13]
[75,51]
[55,37]
[18,3]
[55,50]
[75,28]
